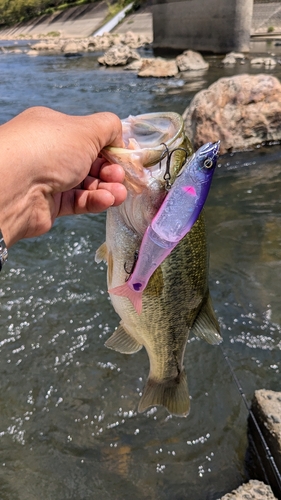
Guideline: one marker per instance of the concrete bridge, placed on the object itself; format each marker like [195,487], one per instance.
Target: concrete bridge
[217,26]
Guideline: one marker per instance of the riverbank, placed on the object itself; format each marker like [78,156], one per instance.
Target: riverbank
[86,20]
[79,22]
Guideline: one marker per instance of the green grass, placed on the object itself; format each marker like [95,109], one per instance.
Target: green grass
[114,8]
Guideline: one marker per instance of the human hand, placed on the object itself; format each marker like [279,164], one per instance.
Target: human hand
[50,167]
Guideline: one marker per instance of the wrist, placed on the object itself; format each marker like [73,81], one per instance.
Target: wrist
[3,251]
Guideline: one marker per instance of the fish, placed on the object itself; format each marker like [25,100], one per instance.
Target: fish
[176,216]
[176,298]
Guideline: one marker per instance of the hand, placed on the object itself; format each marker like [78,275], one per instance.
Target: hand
[49,167]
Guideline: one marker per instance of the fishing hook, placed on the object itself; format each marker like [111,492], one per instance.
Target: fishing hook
[167,174]
[136,254]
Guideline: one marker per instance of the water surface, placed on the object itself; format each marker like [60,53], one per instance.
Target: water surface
[69,427]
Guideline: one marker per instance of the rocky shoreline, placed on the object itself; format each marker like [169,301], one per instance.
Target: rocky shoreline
[121,50]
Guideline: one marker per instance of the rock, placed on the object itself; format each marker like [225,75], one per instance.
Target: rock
[229,60]
[158,68]
[45,46]
[99,43]
[118,55]
[15,51]
[190,60]
[268,62]
[257,61]
[253,490]
[73,47]
[266,406]
[232,57]
[237,55]
[135,65]
[240,111]
[135,40]
[32,53]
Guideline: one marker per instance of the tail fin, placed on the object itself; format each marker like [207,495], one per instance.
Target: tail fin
[173,394]
[126,291]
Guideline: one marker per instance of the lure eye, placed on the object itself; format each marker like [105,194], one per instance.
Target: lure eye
[208,163]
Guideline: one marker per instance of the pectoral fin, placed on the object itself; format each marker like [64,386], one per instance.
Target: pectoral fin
[122,341]
[206,325]
[101,253]
[173,394]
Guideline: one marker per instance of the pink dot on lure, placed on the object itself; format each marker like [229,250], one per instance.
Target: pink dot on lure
[190,190]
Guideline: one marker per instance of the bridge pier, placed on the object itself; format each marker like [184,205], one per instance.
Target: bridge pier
[217,26]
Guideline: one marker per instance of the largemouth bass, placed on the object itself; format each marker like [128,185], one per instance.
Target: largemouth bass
[176,298]
[176,216]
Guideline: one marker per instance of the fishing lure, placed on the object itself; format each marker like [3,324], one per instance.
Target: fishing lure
[174,219]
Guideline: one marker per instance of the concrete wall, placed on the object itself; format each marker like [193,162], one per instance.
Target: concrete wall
[217,26]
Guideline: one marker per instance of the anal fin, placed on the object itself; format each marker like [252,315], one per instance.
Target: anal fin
[173,394]
[123,342]
[206,325]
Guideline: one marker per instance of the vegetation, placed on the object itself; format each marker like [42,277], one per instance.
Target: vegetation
[270,29]
[14,11]
[114,8]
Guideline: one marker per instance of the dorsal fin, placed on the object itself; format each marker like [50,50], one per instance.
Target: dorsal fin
[206,325]
[122,341]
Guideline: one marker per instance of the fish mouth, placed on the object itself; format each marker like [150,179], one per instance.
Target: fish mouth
[146,138]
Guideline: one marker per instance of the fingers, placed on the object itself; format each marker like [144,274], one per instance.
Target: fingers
[79,201]
[107,172]
[106,130]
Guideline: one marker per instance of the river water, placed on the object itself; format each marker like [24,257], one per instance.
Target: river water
[69,427]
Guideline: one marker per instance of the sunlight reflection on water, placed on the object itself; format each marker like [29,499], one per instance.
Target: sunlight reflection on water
[69,426]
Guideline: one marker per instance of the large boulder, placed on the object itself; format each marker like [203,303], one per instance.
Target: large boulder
[118,55]
[100,42]
[191,61]
[158,68]
[253,490]
[241,111]
[74,47]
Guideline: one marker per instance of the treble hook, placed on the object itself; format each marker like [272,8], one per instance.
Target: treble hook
[136,254]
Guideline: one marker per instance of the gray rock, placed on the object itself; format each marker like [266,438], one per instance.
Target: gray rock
[158,68]
[240,111]
[119,55]
[266,406]
[73,47]
[190,60]
[135,65]
[229,60]
[45,45]
[268,62]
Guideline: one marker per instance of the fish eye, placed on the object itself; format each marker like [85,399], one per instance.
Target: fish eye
[208,163]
